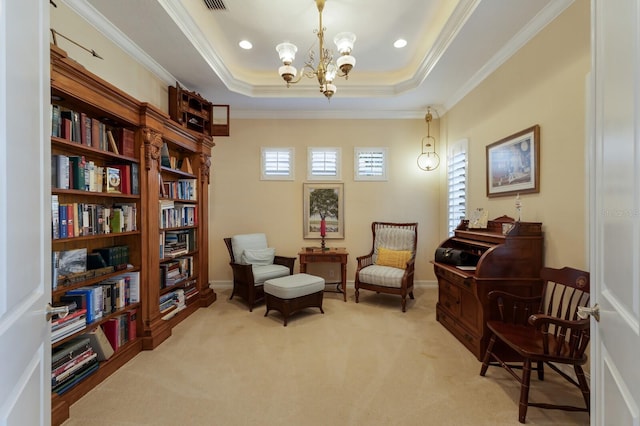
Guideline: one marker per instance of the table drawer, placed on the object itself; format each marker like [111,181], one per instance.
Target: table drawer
[320,259]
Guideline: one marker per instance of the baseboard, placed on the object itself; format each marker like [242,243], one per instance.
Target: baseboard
[227,284]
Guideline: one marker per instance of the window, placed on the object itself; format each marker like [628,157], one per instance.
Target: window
[324,163]
[370,164]
[277,164]
[457,183]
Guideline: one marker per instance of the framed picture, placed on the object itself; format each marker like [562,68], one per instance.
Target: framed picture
[323,200]
[513,164]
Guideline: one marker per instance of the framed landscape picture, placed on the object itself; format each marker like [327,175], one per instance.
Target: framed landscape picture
[323,200]
[513,164]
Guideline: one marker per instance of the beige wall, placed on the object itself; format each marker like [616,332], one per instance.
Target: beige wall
[544,83]
[242,203]
[117,67]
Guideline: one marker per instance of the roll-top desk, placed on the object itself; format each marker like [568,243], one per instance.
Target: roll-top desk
[510,258]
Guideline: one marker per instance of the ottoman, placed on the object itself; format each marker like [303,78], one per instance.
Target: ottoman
[292,293]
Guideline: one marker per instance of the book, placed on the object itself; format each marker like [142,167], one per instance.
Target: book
[112,142]
[95,133]
[71,261]
[77,166]
[55,217]
[62,171]
[135,179]
[185,165]
[100,344]
[132,318]
[125,140]
[55,121]
[111,329]
[85,129]
[77,378]
[164,156]
[69,350]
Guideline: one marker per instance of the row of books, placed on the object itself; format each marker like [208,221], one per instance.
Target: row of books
[181,189]
[75,172]
[177,300]
[70,220]
[78,127]
[174,215]
[98,300]
[177,243]
[76,265]
[175,271]
[62,327]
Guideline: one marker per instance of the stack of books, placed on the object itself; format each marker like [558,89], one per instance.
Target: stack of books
[75,321]
[71,362]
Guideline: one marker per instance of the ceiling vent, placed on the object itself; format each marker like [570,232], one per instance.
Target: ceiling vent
[215,4]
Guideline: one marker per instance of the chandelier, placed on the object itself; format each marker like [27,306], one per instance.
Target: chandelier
[428,159]
[326,70]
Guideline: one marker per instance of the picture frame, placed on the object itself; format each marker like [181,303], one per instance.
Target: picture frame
[513,164]
[327,198]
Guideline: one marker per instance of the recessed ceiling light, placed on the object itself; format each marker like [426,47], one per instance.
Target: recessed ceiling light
[400,43]
[245,44]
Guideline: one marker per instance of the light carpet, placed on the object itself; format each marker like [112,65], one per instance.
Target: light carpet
[358,364]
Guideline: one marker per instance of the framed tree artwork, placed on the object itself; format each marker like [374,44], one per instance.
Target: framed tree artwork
[323,202]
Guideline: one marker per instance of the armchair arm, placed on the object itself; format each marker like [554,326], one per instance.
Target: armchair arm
[242,273]
[289,262]
[560,337]
[540,320]
[364,261]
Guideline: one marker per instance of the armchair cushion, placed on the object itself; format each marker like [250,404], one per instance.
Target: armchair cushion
[261,273]
[262,256]
[385,276]
[241,242]
[393,258]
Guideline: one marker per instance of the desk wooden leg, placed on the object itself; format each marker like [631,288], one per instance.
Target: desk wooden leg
[344,280]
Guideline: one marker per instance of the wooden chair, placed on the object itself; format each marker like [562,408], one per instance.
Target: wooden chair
[542,330]
[250,272]
[389,267]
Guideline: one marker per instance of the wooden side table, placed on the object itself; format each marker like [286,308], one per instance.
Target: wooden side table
[328,255]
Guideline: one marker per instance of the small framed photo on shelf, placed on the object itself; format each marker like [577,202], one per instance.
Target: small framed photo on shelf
[513,164]
[112,180]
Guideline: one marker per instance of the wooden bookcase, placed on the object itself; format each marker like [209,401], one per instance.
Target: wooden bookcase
[182,145]
[73,88]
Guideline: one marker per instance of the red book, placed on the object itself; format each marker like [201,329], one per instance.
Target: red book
[95,133]
[71,217]
[126,142]
[65,129]
[111,329]
[132,316]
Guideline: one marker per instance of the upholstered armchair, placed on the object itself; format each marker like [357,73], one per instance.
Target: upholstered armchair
[389,267]
[253,262]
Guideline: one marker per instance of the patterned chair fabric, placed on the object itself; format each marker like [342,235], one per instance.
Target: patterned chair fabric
[372,274]
[252,263]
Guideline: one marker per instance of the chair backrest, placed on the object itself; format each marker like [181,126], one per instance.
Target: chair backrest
[563,292]
[241,242]
[394,236]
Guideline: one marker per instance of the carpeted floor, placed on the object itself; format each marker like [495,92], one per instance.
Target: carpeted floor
[358,364]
